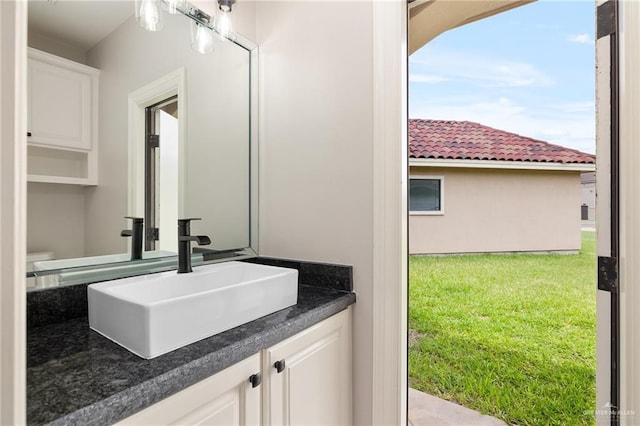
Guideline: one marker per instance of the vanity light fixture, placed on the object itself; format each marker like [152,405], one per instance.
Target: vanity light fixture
[149,16]
[225,24]
[201,31]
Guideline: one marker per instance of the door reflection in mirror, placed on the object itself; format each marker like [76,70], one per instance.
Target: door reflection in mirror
[161,175]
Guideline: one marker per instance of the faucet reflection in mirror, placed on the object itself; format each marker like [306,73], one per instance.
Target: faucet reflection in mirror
[149,16]
[136,236]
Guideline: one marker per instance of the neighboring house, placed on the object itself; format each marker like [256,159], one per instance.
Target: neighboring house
[588,188]
[476,189]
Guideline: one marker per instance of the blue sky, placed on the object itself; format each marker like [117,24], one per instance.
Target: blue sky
[530,71]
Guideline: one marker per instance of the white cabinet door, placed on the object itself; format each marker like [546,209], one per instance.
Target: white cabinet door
[226,398]
[313,386]
[60,105]
[62,120]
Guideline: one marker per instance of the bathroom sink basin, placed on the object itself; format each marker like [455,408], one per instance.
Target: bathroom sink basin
[154,314]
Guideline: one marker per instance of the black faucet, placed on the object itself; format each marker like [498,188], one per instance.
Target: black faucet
[184,246]
[136,236]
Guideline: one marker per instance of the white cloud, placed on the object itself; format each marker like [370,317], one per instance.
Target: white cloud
[580,38]
[477,70]
[427,78]
[555,124]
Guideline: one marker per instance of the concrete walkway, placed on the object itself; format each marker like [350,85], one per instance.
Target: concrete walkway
[427,410]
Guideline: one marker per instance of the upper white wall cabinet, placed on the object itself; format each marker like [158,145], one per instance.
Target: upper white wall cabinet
[62,119]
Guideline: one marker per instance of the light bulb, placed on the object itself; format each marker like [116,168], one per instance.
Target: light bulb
[201,38]
[225,26]
[149,15]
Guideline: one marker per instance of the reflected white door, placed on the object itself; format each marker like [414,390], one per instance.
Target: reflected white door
[167,183]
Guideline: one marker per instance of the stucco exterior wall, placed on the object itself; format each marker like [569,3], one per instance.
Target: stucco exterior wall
[488,210]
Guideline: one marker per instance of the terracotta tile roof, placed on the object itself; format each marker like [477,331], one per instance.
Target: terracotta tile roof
[464,140]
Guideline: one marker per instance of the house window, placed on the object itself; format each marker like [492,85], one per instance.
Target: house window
[426,195]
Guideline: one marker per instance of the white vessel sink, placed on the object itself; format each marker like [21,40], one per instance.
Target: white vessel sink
[154,314]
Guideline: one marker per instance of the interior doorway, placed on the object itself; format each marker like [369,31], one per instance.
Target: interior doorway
[161,174]
[157,155]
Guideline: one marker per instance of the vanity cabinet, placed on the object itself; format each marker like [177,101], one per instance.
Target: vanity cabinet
[308,376]
[62,114]
[226,398]
[304,380]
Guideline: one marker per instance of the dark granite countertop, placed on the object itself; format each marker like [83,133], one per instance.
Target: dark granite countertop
[76,376]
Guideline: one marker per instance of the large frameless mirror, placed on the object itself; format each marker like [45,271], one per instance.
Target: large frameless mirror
[173,137]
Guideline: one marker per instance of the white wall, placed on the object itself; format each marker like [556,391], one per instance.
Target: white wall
[13,55]
[55,47]
[55,219]
[316,138]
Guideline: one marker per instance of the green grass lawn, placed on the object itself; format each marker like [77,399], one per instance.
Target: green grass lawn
[512,336]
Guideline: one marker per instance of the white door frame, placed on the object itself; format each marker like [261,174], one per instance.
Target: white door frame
[626,66]
[13,212]
[629,190]
[603,225]
[163,88]
[390,247]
